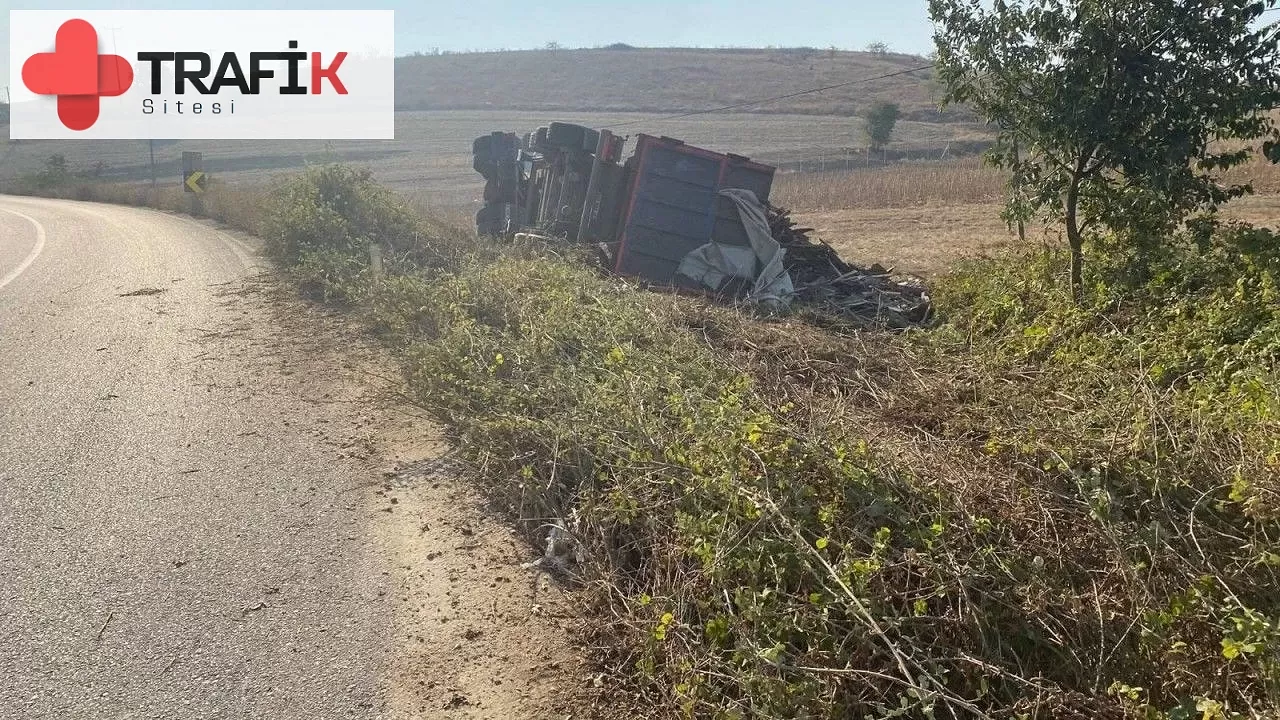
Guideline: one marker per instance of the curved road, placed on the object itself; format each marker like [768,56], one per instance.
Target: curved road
[174,541]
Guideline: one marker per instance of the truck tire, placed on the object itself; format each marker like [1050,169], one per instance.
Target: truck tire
[490,220]
[569,136]
[482,155]
[538,140]
[488,151]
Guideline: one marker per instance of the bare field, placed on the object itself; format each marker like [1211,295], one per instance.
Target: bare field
[431,155]
[923,240]
[958,182]
[927,239]
[921,217]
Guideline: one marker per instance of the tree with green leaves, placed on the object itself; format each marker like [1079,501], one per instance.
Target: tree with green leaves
[1116,117]
[881,119]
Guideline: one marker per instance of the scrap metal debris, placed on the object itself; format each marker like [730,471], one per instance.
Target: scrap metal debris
[563,551]
[824,280]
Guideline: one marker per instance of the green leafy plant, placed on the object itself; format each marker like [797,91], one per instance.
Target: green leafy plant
[881,119]
[1111,116]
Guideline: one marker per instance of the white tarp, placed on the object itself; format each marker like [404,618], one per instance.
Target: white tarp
[713,263]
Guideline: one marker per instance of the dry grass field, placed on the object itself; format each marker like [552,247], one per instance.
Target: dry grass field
[920,218]
[962,181]
[922,241]
[914,217]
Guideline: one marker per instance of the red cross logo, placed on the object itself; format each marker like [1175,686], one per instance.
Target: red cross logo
[77,74]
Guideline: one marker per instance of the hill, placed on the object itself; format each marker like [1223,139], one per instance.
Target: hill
[621,78]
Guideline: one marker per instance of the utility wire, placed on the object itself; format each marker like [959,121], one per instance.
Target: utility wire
[764,101]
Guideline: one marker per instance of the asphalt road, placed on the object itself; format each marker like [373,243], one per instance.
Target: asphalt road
[174,538]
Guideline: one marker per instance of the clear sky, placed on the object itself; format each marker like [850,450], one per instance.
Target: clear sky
[520,24]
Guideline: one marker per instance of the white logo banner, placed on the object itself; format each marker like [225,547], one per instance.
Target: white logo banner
[202,74]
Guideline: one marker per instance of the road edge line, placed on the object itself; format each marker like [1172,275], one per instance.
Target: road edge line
[31,256]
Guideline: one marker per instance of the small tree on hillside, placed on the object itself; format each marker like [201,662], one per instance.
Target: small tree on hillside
[55,173]
[878,48]
[881,119]
[1109,111]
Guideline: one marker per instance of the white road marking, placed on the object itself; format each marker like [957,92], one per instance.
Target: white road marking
[31,256]
[245,254]
[242,251]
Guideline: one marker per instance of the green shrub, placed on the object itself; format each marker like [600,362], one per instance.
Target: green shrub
[1184,365]
[53,178]
[331,208]
[1156,403]
[322,222]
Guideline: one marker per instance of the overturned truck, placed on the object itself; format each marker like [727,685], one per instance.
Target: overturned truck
[676,215]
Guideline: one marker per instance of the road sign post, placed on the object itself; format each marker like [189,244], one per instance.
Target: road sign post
[194,178]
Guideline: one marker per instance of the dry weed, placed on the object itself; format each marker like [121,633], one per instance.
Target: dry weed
[962,182]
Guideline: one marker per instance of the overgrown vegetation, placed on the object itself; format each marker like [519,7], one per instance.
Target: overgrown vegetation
[1039,509]
[1062,501]
[962,182]
[1146,421]
[54,175]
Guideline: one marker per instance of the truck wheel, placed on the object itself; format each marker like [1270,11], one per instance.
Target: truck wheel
[572,137]
[483,155]
[538,140]
[490,220]
[490,151]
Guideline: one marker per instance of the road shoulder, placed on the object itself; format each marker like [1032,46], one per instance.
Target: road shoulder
[477,635]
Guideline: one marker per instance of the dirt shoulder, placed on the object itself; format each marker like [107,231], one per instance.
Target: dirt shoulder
[477,635]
